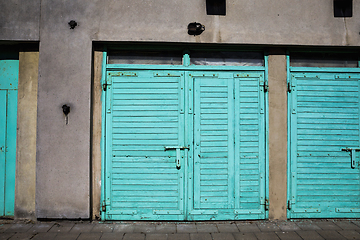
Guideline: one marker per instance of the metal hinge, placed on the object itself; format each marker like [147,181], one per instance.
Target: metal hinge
[107,82]
[266,204]
[266,87]
[291,84]
[103,206]
[289,205]
[264,84]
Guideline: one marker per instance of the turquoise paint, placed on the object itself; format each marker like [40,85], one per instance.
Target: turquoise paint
[324,111]
[9,66]
[3,108]
[323,70]
[142,112]
[115,67]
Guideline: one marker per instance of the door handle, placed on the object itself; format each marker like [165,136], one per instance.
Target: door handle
[353,155]
[177,148]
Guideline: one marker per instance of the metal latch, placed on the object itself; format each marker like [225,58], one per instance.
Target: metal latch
[177,148]
[352,151]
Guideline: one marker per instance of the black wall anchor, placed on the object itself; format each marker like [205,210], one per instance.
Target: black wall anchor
[66,111]
[195,28]
[72,24]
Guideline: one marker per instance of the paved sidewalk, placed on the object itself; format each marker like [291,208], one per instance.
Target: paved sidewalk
[226,230]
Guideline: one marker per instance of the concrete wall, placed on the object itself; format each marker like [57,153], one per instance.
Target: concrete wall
[277,76]
[63,150]
[63,170]
[19,20]
[289,22]
[96,134]
[26,136]
[301,22]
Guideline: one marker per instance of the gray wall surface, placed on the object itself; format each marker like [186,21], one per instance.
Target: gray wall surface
[19,20]
[302,22]
[63,151]
[288,22]
[26,136]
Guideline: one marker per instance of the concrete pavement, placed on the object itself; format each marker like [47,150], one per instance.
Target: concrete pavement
[225,230]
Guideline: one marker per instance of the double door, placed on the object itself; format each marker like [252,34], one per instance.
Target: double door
[184,145]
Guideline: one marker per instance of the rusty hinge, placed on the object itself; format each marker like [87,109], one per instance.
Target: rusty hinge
[266,204]
[104,86]
[103,206]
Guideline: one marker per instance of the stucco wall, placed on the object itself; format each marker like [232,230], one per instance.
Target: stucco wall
[19,20]
[96,133]
[63,150]
[302,22]
[26,136]
[289,22]
[63,178]
[277,134]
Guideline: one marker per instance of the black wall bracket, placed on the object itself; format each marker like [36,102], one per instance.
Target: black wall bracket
[195,28]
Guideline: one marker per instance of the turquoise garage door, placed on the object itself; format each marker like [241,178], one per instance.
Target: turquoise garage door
[324,176]
[184,145]
[9,71]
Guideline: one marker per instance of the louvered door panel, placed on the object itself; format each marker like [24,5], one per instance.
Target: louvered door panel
[324,120]
[249,144]
[214,144]
[145,118]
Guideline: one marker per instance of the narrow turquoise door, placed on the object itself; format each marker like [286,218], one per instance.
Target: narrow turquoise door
[324,144]
[145,146]
[9,66]
[229,146]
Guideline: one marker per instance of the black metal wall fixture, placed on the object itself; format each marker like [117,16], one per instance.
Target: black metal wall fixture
[72,24]
[343,8]
[66,111]
[195,28]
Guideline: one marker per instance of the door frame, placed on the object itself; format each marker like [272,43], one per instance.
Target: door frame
[185,67]
[10,86]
